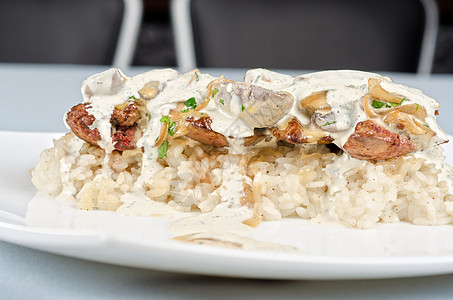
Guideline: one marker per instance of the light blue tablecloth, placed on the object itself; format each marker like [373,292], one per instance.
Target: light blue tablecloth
[35,97]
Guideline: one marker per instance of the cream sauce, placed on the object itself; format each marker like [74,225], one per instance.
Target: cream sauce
[223,218]
[344,90]
[68,189]
[231,240]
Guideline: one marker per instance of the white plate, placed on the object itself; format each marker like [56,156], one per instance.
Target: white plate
[390,250]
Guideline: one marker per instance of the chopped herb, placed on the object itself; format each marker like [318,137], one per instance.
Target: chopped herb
[148,116]
[377,104]
[242,107]
[95,208]
[221,101]
[329,123]
[172,128]
[395,104]
[165,119]
[427,125]
[215,91]
[191,103]
[404,99]
[133,97]
[418,106]
[196,76]
[163,149]
[185,110]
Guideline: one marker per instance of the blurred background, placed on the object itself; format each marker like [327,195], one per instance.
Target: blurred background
[20,22]
[156,44]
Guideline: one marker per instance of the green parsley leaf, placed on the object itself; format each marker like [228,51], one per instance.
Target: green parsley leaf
[133,97]
[329,123]
[172,128]
[215,91]
[185,110]
[242,107]
[404,99]
[418,106]
[196,76]
[163,149]
[377,104]
[395,104]
[191,103]
[221,101]
[148,116]
[165,119]
[427,125]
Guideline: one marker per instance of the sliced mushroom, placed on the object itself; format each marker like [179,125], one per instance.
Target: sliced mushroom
[325,122]
[149,90]
[257,106]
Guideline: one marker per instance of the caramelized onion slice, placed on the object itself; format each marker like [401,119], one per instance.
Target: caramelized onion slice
[378,92]
[405,121]
[414,109]
[316,102]
[366,102]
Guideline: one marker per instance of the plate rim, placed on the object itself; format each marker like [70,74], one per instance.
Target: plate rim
[436,263]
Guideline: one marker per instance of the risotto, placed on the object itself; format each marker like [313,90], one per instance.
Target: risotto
[343,146]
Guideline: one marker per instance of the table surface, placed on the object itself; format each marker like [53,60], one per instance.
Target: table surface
[35,97]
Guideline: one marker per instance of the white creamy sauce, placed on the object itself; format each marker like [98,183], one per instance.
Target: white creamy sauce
[223,218]
[137,204]
[413,95]
[338,168]
[232,240]
[226,124]
[344,90]
[73,148]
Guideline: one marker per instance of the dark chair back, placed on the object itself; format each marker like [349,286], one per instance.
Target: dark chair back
[383,35]
[65,31]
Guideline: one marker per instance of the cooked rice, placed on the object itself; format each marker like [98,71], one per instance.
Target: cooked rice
[297,182]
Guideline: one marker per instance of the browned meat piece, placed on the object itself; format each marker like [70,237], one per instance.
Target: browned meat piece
[124,138]
[325,140]
[123,118]
[125,115]
[373,142]
[292,132]
[79,120]
[259,134]
[200,130]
